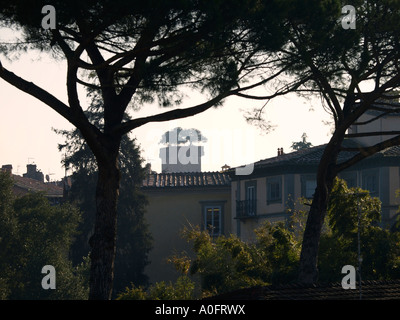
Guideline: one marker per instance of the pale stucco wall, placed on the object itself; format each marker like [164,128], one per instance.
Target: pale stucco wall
[169,211]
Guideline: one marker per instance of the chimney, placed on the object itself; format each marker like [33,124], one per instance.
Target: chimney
[7,168]
[31,169]
[33,173]
[280,152]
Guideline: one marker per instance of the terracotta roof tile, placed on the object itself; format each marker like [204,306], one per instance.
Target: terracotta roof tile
[28,185]
[186,179]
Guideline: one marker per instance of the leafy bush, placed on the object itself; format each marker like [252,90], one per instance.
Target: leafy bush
[182,289]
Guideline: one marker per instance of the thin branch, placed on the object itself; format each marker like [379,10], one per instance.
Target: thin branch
[292,87]
[89,85]
[368,99]
[318,77]
[331,107]
[375,118]
[143,44]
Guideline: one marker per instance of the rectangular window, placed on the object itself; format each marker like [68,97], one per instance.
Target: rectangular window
[212,216]
[274,190]
[251,193]
[308,185]
[251,198]
[213,220]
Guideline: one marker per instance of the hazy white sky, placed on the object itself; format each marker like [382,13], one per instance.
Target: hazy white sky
[26,124]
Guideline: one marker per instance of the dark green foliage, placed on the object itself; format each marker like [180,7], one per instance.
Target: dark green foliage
[281,251]
[304,144]
[339,246]
[227,263]
[182,289]
[34,234]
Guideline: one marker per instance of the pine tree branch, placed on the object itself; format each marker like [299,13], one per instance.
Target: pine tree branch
[37,92]
[365,152]
[125,127]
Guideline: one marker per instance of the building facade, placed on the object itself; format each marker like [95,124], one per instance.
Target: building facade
[179,200]
[277,183]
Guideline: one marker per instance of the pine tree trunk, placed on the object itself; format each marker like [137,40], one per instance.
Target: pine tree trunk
[308,272]
[103,241]
[308,269]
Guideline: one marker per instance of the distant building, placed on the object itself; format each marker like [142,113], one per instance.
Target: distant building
[277,183]
[33,181]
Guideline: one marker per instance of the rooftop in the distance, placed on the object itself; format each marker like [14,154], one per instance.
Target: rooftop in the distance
[24,184]
[186,179]
[312,156]
[32,185]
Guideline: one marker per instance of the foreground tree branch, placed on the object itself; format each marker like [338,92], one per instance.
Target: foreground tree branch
[365,152]
[37,92]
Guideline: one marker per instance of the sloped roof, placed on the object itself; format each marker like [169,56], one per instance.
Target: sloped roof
[370,290]
[186,179]
[28,185]
[311,156]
